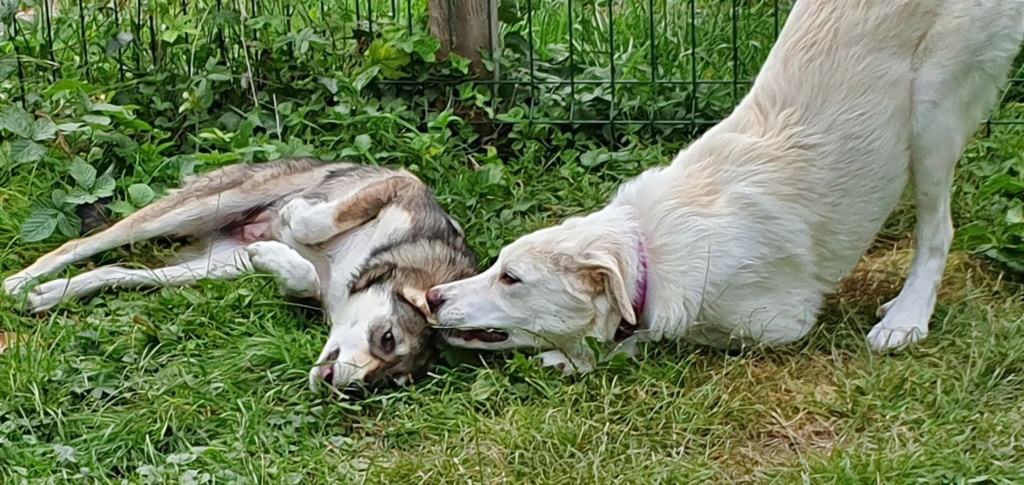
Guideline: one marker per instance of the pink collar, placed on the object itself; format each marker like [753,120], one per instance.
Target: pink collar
[639,302]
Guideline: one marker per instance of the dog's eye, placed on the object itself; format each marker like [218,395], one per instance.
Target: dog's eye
[508,279]
[387,342]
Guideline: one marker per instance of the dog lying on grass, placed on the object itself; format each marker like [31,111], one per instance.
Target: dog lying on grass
[739,239]
[366,241]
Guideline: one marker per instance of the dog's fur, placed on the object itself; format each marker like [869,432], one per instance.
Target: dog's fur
[740,238]
[366,241]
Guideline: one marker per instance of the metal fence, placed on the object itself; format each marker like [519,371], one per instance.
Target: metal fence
[658,65]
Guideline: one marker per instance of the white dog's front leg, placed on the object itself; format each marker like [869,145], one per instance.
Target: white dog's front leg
[565,364]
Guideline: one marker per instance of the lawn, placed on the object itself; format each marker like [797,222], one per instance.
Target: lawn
[207,384]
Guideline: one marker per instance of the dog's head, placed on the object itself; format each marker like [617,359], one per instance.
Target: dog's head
[380,335]
[549,289]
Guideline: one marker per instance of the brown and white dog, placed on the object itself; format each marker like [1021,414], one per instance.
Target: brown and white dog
[742,236]
[366,241]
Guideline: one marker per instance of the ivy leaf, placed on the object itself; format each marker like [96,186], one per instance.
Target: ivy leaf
[39,225]
[104,186]
[83,173]
[426,47]
[27,151]
[140,194]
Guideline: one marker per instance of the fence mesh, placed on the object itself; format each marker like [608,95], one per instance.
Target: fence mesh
[657,65]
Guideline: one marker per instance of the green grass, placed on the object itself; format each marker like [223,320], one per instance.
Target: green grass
[210,380]
[207,383]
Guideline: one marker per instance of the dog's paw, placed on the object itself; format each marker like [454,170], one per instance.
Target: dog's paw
[900,327]
[563,363]
[47,295]
[15,283]
[308,223]
[295,276]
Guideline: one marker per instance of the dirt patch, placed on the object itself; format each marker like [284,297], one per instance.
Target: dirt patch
[880,275]
[794,397]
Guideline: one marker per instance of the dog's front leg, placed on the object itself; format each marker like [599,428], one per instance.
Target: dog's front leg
[295,275]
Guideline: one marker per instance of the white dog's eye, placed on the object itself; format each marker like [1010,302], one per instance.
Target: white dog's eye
[508,278]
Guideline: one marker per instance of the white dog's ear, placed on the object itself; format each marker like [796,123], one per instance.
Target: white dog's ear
[417,298]
[608,270]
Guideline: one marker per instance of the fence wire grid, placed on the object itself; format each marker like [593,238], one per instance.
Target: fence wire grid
[662,65]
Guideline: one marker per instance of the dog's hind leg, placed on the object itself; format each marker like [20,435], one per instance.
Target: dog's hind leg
[224,259]
[181,214]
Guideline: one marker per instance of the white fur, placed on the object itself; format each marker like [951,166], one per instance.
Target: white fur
[750,226]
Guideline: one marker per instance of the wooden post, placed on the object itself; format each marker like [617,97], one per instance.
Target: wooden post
[465,27]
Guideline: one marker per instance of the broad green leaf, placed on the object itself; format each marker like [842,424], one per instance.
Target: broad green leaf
[83,173]
[328,82]
[121,208]
[140,194]
[365,77]
[96,120]
[17,121]
[39,225]
[69,225]
[27,151]
[65,453]
[109,108]
[104,186]
[1015,215]
[80,196]
[43,129]
[364,142]
[71,127]
[59,197]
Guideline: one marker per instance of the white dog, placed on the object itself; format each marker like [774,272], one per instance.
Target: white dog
[742,236]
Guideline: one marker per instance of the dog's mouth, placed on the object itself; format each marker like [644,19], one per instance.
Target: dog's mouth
[486,336]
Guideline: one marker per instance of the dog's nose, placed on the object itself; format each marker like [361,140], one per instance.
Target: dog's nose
[327,371]
[434,300]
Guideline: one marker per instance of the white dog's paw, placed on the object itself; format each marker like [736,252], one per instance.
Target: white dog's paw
[17,282]
[295,276]
[47,295]
[308,223]
[901,326]
[563,363]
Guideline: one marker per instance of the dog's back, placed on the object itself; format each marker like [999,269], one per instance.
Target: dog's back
[855,98]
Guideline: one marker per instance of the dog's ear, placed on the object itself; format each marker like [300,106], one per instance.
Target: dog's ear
[417,298]
[604,267]
[372,275]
